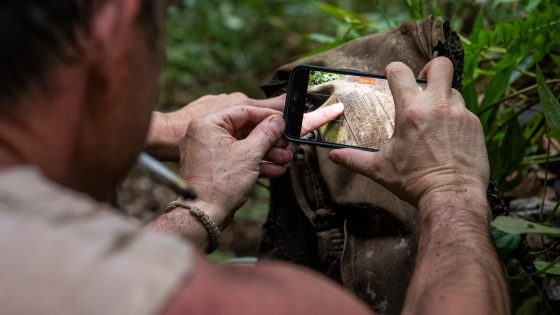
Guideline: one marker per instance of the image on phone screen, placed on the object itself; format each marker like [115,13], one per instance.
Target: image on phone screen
[368,120]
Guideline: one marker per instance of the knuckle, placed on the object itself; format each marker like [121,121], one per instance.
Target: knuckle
[196,124]
[443,111]
[413,113]
[239,97]
[442,62]
[268,136]
[397,68]
[238,94]
[442,101]
[474,119]
[206,97]
[457,98]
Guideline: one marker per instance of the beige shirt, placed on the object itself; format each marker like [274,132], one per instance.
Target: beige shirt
[63,253]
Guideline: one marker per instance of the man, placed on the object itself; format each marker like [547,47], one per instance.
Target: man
[78,80]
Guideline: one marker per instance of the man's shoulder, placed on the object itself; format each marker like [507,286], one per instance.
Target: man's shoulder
[26,196]
[51,236]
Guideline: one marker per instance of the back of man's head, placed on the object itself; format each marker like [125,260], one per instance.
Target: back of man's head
[77,83]
[37,35]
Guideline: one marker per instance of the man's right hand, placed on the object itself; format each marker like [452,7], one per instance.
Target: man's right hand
[167,129]
[222,155]
[438,145]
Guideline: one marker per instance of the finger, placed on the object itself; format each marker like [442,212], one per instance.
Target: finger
[320,117]
[276,103]
[278,156]
[439,72]
[265,135]
[272,170]
[282,143]
[359,161]
[235,118]
[401,82]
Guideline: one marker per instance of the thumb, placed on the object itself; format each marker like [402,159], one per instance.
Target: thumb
[266,134]
[358,161]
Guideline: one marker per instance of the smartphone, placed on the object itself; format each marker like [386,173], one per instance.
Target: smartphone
[368,120]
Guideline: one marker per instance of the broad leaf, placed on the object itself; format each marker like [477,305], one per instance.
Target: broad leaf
[530,306]
[505,242]
[550,105]
[521,226]
[548,267]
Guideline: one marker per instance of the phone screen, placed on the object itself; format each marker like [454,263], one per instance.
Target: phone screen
[368,120]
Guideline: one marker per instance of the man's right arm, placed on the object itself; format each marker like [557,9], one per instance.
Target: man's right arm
[437,161]
[457,269]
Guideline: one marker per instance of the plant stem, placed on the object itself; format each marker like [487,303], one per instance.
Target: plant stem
[536,273]
[553,213]
[547,130]
[520,92]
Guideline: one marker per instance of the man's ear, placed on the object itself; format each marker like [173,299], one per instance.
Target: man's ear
[113,30]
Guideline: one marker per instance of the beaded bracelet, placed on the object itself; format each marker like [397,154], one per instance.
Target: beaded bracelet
[207,222]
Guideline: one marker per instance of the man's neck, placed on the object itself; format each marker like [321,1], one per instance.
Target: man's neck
[42,131]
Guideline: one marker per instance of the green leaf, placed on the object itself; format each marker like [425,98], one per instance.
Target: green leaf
[521,226]
[416,9]
[321,38]
[550,105]
[532,4]
[530,306]
[505,150]
[478,24]
[341,14]
[493,92]
[505,242]
[548,267]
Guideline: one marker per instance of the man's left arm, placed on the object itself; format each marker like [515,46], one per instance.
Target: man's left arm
[167,129]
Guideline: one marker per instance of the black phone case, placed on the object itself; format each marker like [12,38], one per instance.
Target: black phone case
[289,96]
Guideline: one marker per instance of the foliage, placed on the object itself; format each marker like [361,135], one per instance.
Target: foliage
[520,226]
[502,57]
[222,46]
[318,77]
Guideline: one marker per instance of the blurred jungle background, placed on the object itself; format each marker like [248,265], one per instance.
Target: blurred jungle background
[511,81]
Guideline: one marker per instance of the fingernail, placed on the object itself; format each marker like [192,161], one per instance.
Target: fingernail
[277,121]
[335,158]
[338,107]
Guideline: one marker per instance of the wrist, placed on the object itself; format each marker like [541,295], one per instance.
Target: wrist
[221,201]
[162,141]
[198,221]
[454,204]
[220,217]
